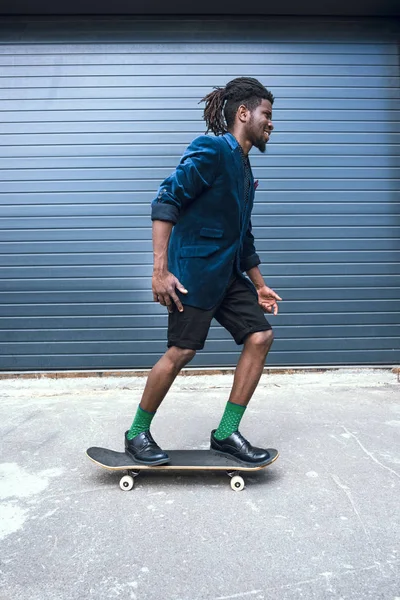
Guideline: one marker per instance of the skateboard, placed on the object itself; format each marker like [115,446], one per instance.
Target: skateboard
[180,460]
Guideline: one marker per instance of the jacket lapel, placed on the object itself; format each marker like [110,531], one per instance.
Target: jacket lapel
[239,174]
[238,168]
[252,188]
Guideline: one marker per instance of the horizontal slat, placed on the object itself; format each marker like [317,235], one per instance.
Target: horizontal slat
[175,137]
[280,247]
[284,119]
[78,362]
[190,80]
[143,294]
[216,46]
[137,98]
[276,278]
[145,149]
[115,185]
[169,162]
[283,321]
[259,69]
[129,271]
[246,55]
[159,346]
[265,201]
[193,127]
[134,335]
[166,36]
[155,176]
[261,233]
[52,280]
[308,210]
[128,219]
[63,260]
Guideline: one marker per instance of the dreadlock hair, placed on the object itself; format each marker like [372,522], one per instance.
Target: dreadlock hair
[222,104]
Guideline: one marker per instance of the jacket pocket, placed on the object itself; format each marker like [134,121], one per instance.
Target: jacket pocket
[212,233]
[197,251]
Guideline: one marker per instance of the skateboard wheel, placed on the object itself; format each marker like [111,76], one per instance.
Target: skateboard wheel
[237,483]
[126,483]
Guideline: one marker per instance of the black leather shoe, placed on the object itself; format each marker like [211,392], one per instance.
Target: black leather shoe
[143,449]
[237,447]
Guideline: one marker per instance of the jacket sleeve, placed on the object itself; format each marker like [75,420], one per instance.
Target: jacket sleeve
[248,255]
[196,172]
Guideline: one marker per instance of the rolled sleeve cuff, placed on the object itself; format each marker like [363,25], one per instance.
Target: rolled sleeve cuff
[249,262]
[164,212]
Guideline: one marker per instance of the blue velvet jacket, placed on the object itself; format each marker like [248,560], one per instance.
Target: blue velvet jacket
[212,237]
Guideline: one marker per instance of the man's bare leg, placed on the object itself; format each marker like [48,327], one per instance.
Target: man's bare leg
[138,441]
[226,438]
[250,366]
[163,375]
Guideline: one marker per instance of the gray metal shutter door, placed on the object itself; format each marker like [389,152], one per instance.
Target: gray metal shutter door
[94,114]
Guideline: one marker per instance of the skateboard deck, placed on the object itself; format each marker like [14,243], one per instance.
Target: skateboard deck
[180,460]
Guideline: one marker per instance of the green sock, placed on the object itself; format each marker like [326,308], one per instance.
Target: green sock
[141,422]
[230,420]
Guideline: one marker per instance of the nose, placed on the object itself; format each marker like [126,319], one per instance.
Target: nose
[270,125]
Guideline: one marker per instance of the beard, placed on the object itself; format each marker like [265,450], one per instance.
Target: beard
[258,140]
[260,143]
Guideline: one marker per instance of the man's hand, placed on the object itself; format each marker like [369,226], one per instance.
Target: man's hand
[164,285]
[267,299]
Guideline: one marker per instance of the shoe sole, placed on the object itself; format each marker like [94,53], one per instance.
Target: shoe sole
[156,463]
[246,464]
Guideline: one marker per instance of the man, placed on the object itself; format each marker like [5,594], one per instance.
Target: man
[203,242]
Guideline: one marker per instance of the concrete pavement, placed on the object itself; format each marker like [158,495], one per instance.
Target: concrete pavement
[322,522]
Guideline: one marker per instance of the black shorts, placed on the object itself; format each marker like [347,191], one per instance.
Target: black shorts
[238,311]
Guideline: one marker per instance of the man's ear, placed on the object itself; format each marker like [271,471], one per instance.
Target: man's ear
[242,113]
